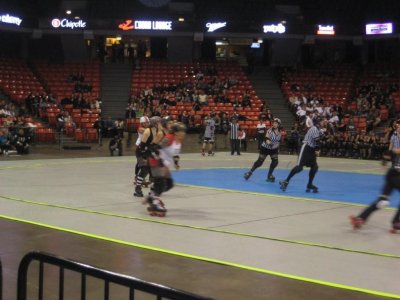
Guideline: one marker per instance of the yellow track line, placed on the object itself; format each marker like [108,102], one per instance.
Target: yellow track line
[302,243]
[210,260]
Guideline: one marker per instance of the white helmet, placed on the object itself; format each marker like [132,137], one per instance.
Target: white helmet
[144,119]
[278,121]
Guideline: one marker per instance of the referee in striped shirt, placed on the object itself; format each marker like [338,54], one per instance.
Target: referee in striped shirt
[234,136]
[308,155]
[269,147]
[392,182]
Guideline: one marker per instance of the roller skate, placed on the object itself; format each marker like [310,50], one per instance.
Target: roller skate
[203,153]
[270,178]
[356,222]
[210,153]
[395,227]
[156,207]
[247,175]
[311,188]
[283,184]
[138,192]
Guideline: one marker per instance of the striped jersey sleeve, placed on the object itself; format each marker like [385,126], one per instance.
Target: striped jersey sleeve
[312,136]
[274,139]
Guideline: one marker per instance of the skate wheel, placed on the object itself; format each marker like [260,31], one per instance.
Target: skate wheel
[393,230]
[307,191]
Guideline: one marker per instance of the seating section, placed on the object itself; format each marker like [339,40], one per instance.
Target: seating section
[57,77]
[164,73]
[332,83]
[17,80]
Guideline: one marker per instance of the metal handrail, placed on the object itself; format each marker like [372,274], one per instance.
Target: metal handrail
[85,270]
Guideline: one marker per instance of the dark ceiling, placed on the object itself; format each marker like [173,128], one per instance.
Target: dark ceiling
[311,11]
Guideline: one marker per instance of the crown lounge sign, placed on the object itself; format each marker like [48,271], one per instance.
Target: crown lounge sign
[65,23]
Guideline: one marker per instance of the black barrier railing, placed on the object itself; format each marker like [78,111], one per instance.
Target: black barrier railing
[108,277]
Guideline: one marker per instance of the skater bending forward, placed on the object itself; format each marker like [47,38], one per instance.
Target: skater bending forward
[308,155]
[392,181]
[270,146]
[162,158]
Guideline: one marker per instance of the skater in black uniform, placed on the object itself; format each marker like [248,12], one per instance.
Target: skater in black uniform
[150,136]
[308,155]
[270,147]
[392,182]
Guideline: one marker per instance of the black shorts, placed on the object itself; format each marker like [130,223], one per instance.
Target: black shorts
[208,140]
[307,156]
[266,152]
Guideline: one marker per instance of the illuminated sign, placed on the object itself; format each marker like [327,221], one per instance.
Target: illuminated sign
[214,26]
[153,25]
[64,23]
[145,25]
[10,19]
[280,28]
[126,25]
[326,30]
[383,28]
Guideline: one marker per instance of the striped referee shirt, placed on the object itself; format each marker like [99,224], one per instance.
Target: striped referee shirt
[395,143]
[274,139]
[234,131]
[312,136]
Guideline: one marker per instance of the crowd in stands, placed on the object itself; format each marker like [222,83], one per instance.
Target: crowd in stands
[353,125]
[161,99]
[354,121]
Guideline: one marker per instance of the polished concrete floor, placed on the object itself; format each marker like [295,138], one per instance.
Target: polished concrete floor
[224,244]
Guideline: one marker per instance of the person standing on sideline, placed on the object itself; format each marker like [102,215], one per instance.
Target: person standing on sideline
[270,147]
[233,134]
[209,135]
[392,181]
[308,155]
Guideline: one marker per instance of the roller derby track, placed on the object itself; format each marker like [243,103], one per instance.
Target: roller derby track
[223,237]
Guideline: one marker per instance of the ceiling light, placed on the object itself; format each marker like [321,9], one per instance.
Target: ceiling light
[68,12]
[181,19]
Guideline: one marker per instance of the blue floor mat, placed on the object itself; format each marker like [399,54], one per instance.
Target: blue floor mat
[333,186]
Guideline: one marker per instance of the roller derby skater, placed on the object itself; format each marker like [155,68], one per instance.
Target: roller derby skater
[392,182]
[209,135]
[308,155]
[269,147]
[162,157]
[150,135]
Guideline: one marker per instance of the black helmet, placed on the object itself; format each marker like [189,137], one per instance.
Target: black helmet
[177,127]
[165,120]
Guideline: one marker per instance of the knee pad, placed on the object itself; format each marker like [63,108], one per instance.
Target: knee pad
[274,161]
[143,171]
[314,168]
[168,184]
[158,185]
